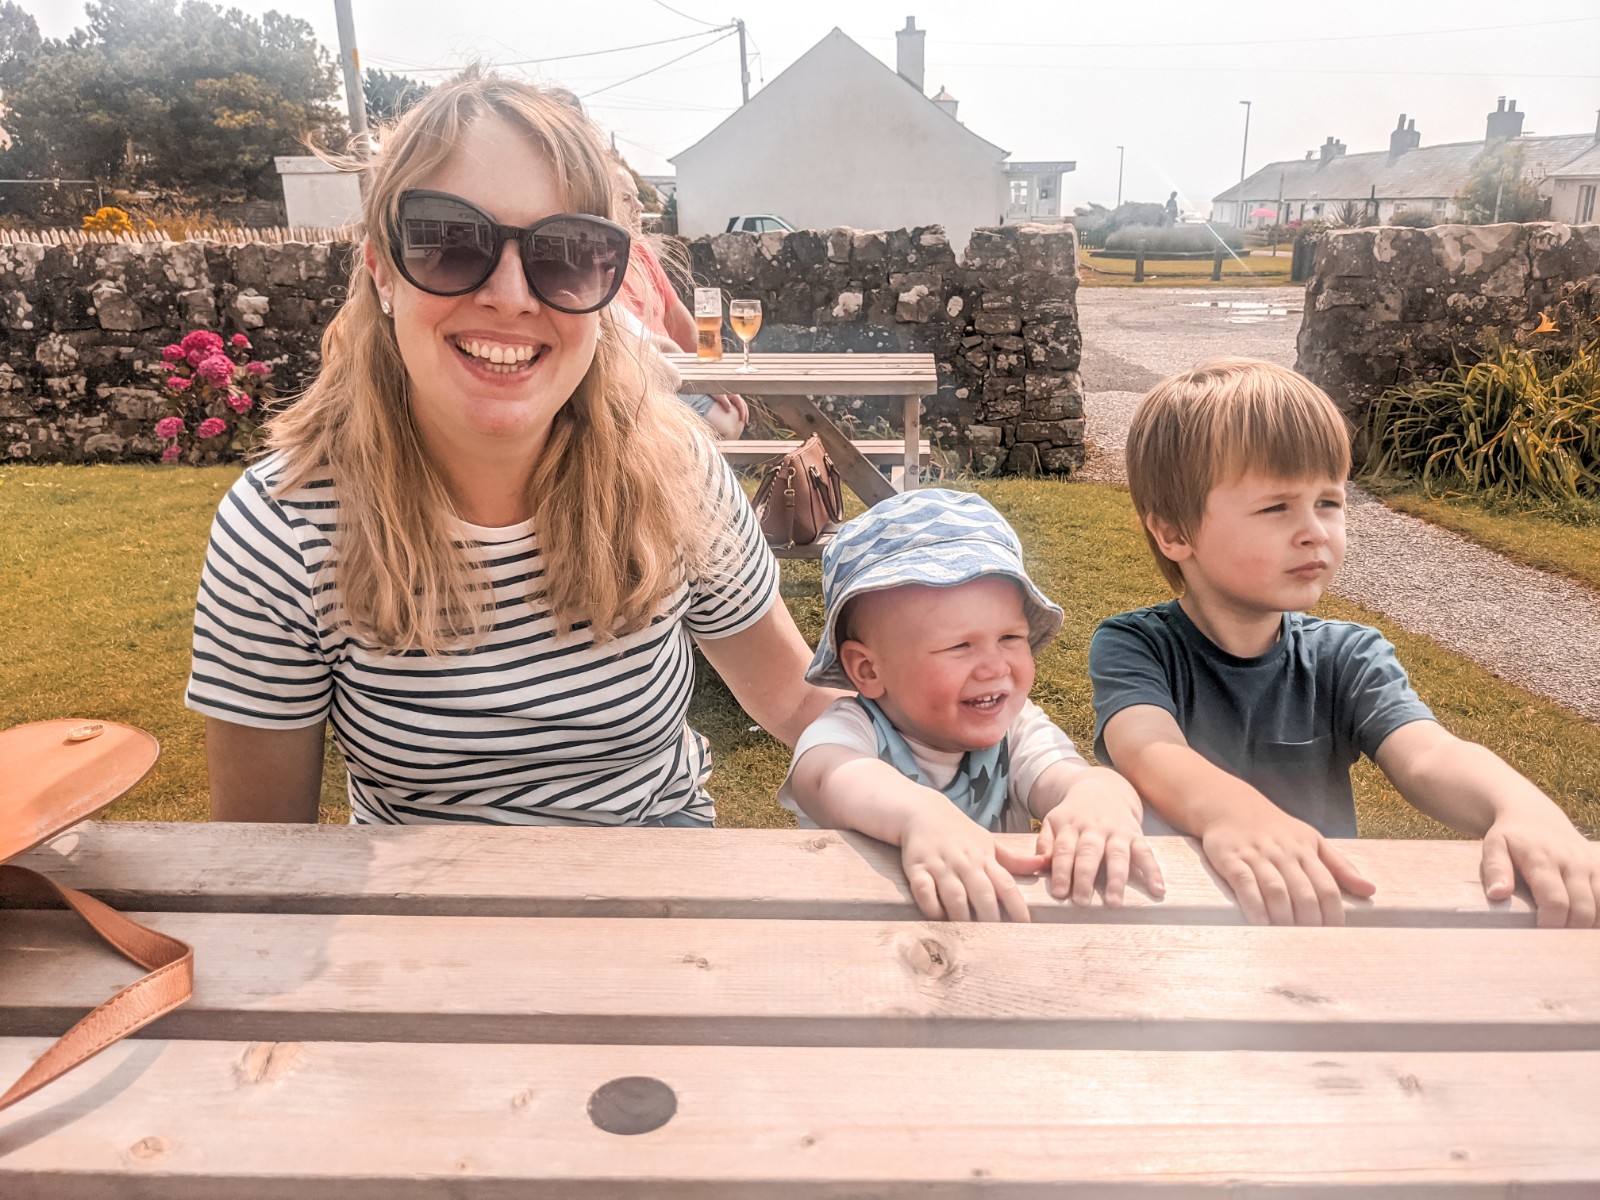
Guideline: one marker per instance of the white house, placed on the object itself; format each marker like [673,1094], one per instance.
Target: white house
[840,139]
[1573,186]
[1408,179]
[317,194]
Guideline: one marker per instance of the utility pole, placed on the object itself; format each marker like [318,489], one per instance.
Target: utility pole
[744,65]
[1243,154]
[1121,154]
[355,95]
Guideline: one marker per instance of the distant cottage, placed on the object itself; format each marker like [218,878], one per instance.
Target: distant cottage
[840,139]
[1412,179]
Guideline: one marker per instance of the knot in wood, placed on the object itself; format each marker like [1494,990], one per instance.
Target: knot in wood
[927,956]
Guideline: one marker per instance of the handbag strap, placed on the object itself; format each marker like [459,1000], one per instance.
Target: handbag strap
[169,984]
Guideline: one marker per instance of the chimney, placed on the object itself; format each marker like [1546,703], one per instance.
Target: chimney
[908,53]
[1504,123]
[1597,125]
[946,101]
[1331,150]
[1405,137]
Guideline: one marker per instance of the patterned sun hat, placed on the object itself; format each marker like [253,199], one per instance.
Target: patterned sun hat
[931,536]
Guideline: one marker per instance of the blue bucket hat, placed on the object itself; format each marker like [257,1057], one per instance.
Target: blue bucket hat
[931,536]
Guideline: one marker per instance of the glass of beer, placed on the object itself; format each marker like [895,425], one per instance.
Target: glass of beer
[746,318]
[708,322]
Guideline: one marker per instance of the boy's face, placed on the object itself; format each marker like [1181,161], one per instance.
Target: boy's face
[1265,544]
[950,666]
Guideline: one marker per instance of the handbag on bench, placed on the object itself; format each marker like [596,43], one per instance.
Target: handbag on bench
[800,497]
[58,773]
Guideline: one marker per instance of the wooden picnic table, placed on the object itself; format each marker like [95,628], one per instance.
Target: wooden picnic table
[474,1012]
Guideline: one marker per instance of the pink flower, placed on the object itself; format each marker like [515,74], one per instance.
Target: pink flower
[217,370]
[239,402]
[172,353]
[171,453]
[259,369]
[240,341]
[169,427]
[210,427]
[200,345]
[179,383]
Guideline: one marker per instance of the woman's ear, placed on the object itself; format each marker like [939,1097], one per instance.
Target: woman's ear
[1172,542]
[858,664]
[379,271]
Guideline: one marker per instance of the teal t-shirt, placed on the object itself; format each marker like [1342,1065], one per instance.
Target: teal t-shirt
[1290,722]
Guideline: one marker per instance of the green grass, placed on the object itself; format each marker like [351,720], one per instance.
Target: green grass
[1257,269]
[1564,540]
[101,565]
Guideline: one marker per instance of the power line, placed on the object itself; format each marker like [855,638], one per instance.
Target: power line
[653,70]
[1242,70]
[524,62]
[687,17]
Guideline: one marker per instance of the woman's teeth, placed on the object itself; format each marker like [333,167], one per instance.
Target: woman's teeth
[493,354]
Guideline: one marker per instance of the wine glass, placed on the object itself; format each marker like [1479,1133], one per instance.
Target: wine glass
[745,316]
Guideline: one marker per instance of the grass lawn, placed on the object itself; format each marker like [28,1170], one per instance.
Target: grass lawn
[1253,269]
[101,565]
[1565,541]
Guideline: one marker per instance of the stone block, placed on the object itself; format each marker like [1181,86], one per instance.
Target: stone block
[917,305]
[55,353]
[839,241]
[107,444]
[847,307]
[15,311]
[869,247]
[996,322]
[250,309]
[114,308]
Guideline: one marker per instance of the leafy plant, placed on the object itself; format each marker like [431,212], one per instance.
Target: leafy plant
[1518,421]
[108,220]
[1175,238]
[214,392]
[1412,220]
[1498,189]
[1351,214]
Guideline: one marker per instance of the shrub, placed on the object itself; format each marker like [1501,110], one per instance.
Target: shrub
[214,393]
[1413,220]
[108,220]
[1175,238]
[1519,421]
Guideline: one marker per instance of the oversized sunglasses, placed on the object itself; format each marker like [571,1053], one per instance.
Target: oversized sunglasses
[573,262]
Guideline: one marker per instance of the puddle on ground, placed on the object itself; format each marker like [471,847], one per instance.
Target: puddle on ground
[1246,312]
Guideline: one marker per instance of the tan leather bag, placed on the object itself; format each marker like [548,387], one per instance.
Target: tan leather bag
[54,774]
[800,496]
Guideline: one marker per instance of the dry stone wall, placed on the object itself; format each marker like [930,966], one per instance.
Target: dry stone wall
[1388,305]
[84,326]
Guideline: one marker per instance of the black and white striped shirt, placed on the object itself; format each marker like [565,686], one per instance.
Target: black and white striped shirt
[524,728]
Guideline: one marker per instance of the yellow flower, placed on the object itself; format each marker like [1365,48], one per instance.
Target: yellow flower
[1546,325]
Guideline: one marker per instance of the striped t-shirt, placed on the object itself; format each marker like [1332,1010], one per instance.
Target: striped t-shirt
[522,728]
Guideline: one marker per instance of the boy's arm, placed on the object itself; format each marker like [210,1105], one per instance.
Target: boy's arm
[1281,870]
[1473,790]
[955,868]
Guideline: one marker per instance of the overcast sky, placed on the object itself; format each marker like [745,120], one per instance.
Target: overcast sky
[1071,81]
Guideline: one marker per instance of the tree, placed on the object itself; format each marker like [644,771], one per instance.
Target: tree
[390,95]
[1499,188]
[197,99]
[19,41]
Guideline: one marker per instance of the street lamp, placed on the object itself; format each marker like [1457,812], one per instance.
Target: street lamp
[1243,154]
[1121,151]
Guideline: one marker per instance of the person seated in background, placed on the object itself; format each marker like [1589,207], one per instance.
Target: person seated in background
[648,294]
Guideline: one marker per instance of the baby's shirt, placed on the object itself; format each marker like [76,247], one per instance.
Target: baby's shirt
[1033,739]
[1290,722]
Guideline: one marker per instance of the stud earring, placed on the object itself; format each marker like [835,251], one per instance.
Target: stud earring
[384,304]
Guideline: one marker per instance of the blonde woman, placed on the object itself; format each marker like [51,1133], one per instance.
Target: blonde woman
[487,538]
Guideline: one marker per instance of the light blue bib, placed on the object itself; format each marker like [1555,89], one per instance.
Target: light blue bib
[981,780]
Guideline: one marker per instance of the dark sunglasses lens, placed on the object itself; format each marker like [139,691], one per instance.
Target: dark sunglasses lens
[444,245]
[575,263]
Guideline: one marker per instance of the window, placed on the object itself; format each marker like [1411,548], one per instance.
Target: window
[1586,203]
[1019,193]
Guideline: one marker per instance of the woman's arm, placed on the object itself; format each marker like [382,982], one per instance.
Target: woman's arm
[764,667]
[264,774]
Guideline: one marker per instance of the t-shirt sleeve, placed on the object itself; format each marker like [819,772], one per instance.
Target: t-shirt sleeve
[742,582]
[1036,742]
[1375,692]
[257,657]
[1125,669]
[842,723]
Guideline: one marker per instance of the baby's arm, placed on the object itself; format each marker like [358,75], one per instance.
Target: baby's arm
[1281,870]
[1470,788]
[956,870]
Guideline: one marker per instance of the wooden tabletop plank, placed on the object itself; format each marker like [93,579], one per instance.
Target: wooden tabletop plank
[811,374]
[342,1121]
[784,873]
[506,979]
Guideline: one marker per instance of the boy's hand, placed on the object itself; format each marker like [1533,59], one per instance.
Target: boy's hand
[1281,870]
[1095,822]
[1560,867]
[957,871]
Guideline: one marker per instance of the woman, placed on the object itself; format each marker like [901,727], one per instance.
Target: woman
[487,536]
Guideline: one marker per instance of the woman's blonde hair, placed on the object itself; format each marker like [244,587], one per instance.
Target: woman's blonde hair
[622,495]
[1206,427]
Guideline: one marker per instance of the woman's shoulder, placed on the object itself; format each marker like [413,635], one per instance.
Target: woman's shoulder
[273,498]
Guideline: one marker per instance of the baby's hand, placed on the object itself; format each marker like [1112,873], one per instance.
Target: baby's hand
[1281,870]
[1095,823]
[957,871]
[1560,867]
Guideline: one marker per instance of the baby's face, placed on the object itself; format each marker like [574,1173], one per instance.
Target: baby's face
[951,667]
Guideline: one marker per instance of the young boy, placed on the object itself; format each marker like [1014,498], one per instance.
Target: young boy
[931,617]
[1236,716]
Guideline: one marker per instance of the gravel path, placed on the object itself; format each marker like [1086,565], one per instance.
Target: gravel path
[1527,626]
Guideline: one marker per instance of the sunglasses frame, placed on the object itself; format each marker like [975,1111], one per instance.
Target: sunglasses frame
[503,234]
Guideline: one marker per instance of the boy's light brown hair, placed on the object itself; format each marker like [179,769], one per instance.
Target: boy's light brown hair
[1206,427]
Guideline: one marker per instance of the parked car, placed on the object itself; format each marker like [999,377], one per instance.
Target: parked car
[761,223]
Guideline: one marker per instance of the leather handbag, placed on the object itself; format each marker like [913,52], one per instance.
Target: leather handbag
[58,773]
[800,496]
